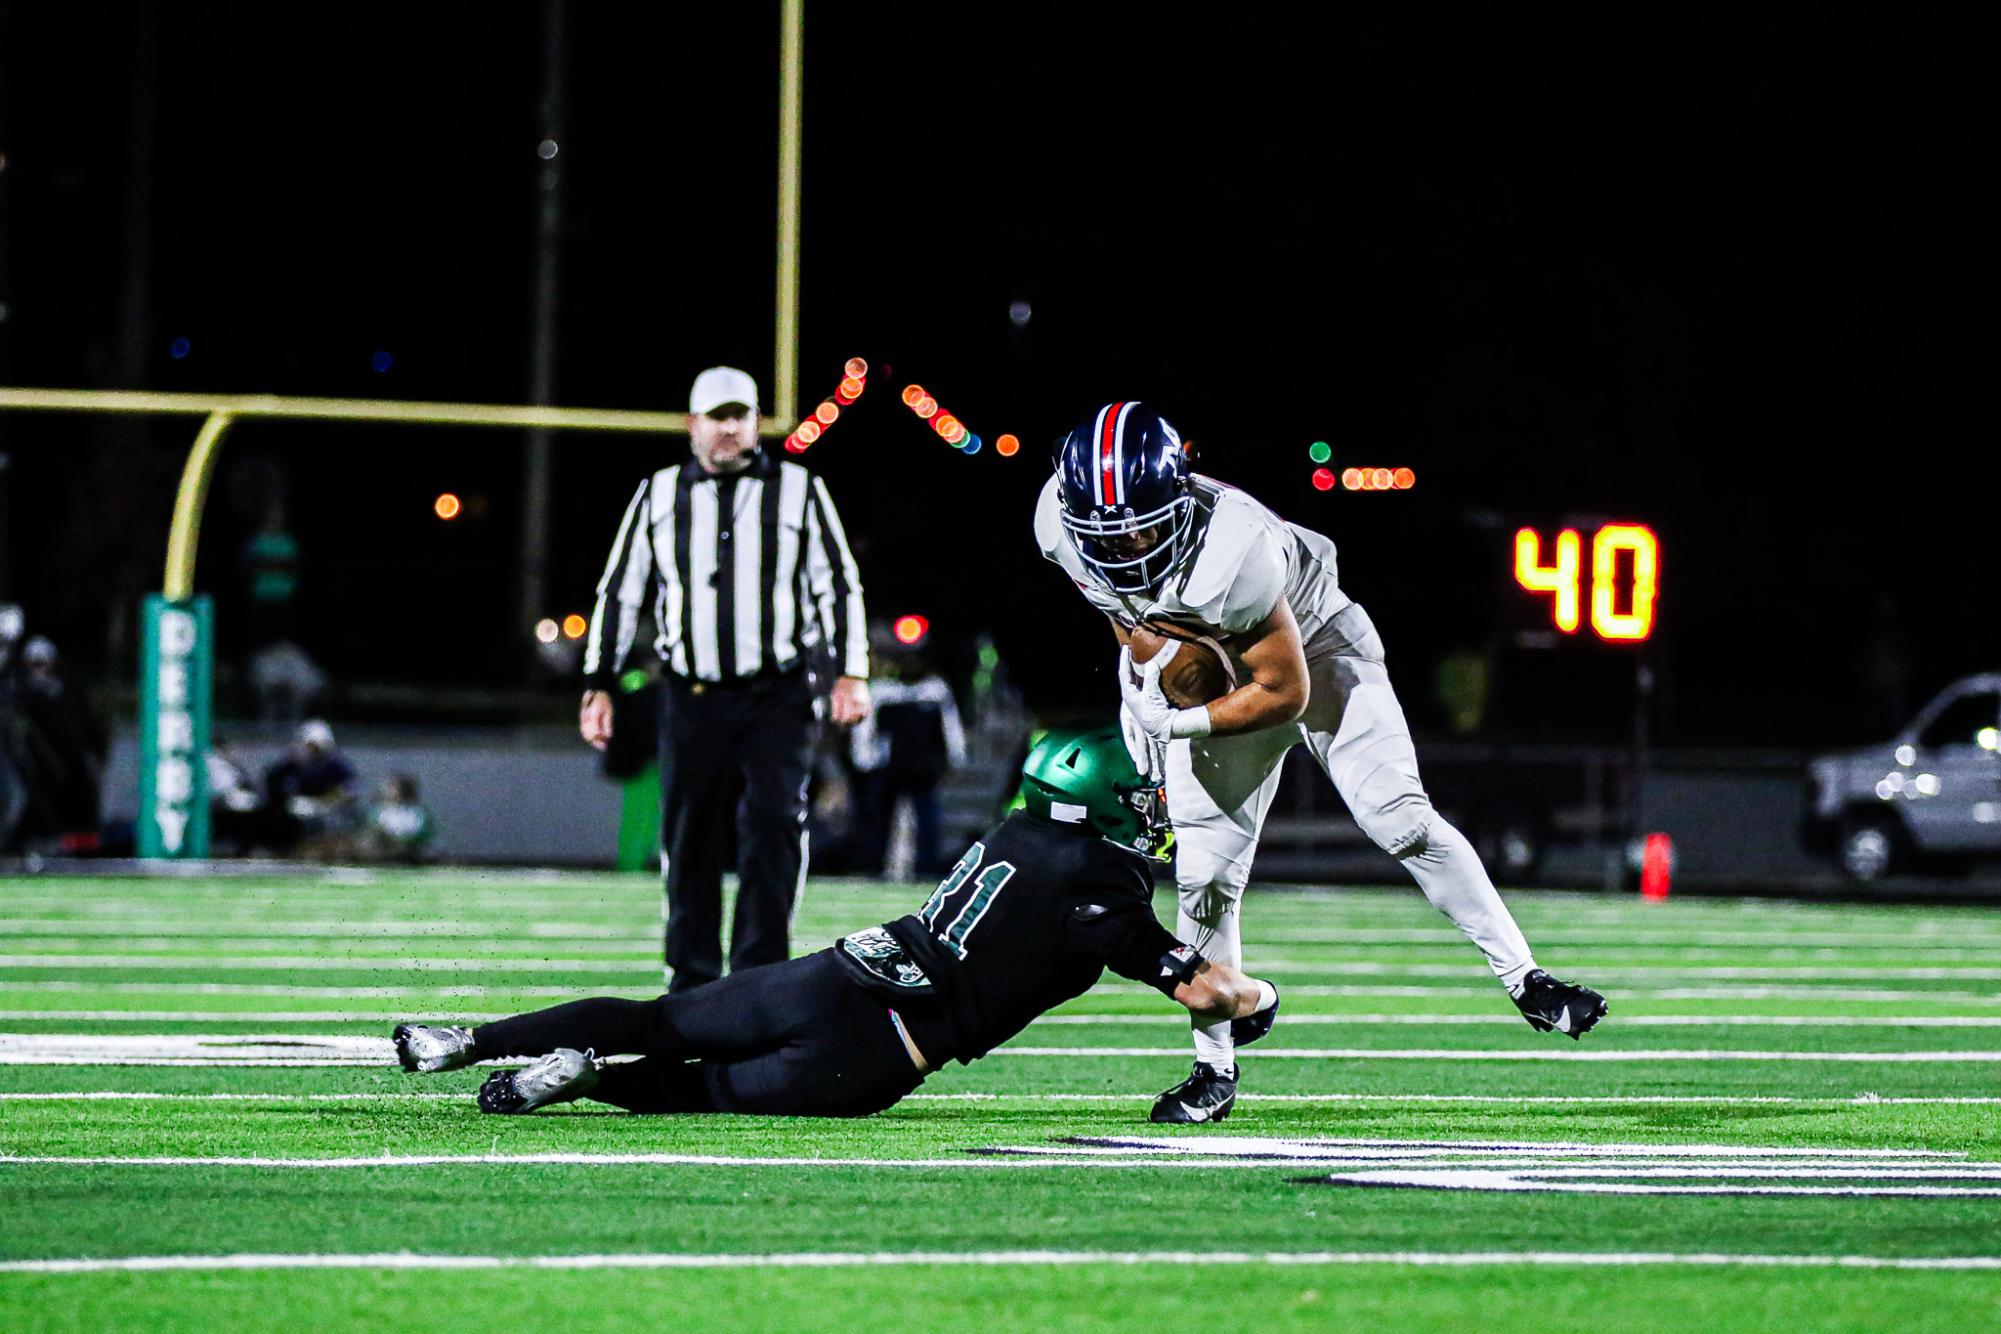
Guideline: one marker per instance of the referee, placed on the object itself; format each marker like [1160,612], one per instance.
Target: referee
[750,575]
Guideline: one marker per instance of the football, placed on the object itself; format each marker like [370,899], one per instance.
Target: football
[1200,672]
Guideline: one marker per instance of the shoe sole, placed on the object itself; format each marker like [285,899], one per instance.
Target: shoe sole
[410,1064]
[576,1088]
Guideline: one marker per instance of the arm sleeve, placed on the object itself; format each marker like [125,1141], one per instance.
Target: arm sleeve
[1128,939]
[836,585]
[621,596]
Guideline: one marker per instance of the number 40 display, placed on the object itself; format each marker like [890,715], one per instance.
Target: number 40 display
[1563,578]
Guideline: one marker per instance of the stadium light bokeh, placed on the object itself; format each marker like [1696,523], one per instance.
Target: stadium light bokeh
[1373,479]
[946,425]
[854,380]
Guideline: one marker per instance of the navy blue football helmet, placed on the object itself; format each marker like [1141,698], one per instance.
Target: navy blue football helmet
[1127,503]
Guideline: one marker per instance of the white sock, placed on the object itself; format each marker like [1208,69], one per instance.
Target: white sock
[1219,943]
[1451,876]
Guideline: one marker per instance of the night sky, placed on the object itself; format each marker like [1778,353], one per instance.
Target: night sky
[1736,278]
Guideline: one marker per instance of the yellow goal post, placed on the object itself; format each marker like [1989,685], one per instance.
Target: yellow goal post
[176,695]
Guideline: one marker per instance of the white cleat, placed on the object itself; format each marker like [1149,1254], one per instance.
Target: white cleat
[425,1049]
[564,1075]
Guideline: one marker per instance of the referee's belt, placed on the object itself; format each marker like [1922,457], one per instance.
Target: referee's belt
[765,678]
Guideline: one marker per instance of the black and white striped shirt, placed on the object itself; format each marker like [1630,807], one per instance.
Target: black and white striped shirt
[749,571]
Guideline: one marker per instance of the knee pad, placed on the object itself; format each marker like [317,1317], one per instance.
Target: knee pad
[1208,883]
[1393,811]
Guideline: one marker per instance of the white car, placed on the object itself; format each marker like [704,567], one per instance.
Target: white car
[1933,793]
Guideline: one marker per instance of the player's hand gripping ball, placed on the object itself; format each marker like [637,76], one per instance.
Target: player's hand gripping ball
[1196,671]
[1141,697]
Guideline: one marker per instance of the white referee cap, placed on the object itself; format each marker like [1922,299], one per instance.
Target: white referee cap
[719,385]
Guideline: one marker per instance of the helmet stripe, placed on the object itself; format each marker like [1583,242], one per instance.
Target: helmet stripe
[1119,448]
[1110,484]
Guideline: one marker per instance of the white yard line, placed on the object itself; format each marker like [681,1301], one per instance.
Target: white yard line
[1484,985]
[1776,936]
[1615,1100]
[1176,1018]
[637,966]
[1475,987]
[554,1159]
[162,937]
[1287,1019]
[318,1049]
[257,1016]
[322,963]
[363,929]
[405,1260]
[1546,1053]
[407,994]
[150,920]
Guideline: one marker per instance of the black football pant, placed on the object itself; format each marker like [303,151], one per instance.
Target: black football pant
[733,756]
[792,1039]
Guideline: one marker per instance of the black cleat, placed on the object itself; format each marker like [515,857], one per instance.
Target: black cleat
[1551,1006]
[563,1075]
[1205,1097]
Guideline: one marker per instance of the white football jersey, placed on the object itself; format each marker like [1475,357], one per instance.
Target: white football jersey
[1239,560]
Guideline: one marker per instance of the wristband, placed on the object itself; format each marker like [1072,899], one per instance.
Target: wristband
[1189,722]
[1267,994]
[1179,964]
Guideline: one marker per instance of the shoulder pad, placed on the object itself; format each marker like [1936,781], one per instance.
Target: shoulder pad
[1239,573]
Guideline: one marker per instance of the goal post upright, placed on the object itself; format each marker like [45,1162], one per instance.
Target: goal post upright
[177,665]
[177,668]
[791,93]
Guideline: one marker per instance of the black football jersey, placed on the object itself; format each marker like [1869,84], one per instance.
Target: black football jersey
[1029,918]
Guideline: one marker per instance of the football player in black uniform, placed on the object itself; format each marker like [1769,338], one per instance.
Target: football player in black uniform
[1029,918]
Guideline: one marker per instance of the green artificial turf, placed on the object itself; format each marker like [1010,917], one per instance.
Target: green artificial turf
[1373,974]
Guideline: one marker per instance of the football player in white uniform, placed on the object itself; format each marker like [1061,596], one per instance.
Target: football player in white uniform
[1148,541]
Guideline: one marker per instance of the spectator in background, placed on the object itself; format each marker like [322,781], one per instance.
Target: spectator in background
[13,741]
[286,681]
[65,751]
[313,784]
[398,827]
[902,753]
[236,811]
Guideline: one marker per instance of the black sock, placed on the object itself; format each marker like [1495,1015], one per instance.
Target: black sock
[658,1084]
[603,1024]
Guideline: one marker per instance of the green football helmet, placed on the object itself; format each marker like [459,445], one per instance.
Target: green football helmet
[1083,775]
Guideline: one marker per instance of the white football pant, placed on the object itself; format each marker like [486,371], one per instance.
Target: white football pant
[1219,790]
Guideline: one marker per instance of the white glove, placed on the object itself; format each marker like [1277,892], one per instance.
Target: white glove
[1149,756]
[1150,709]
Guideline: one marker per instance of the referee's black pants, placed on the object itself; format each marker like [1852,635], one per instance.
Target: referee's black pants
[742,750]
